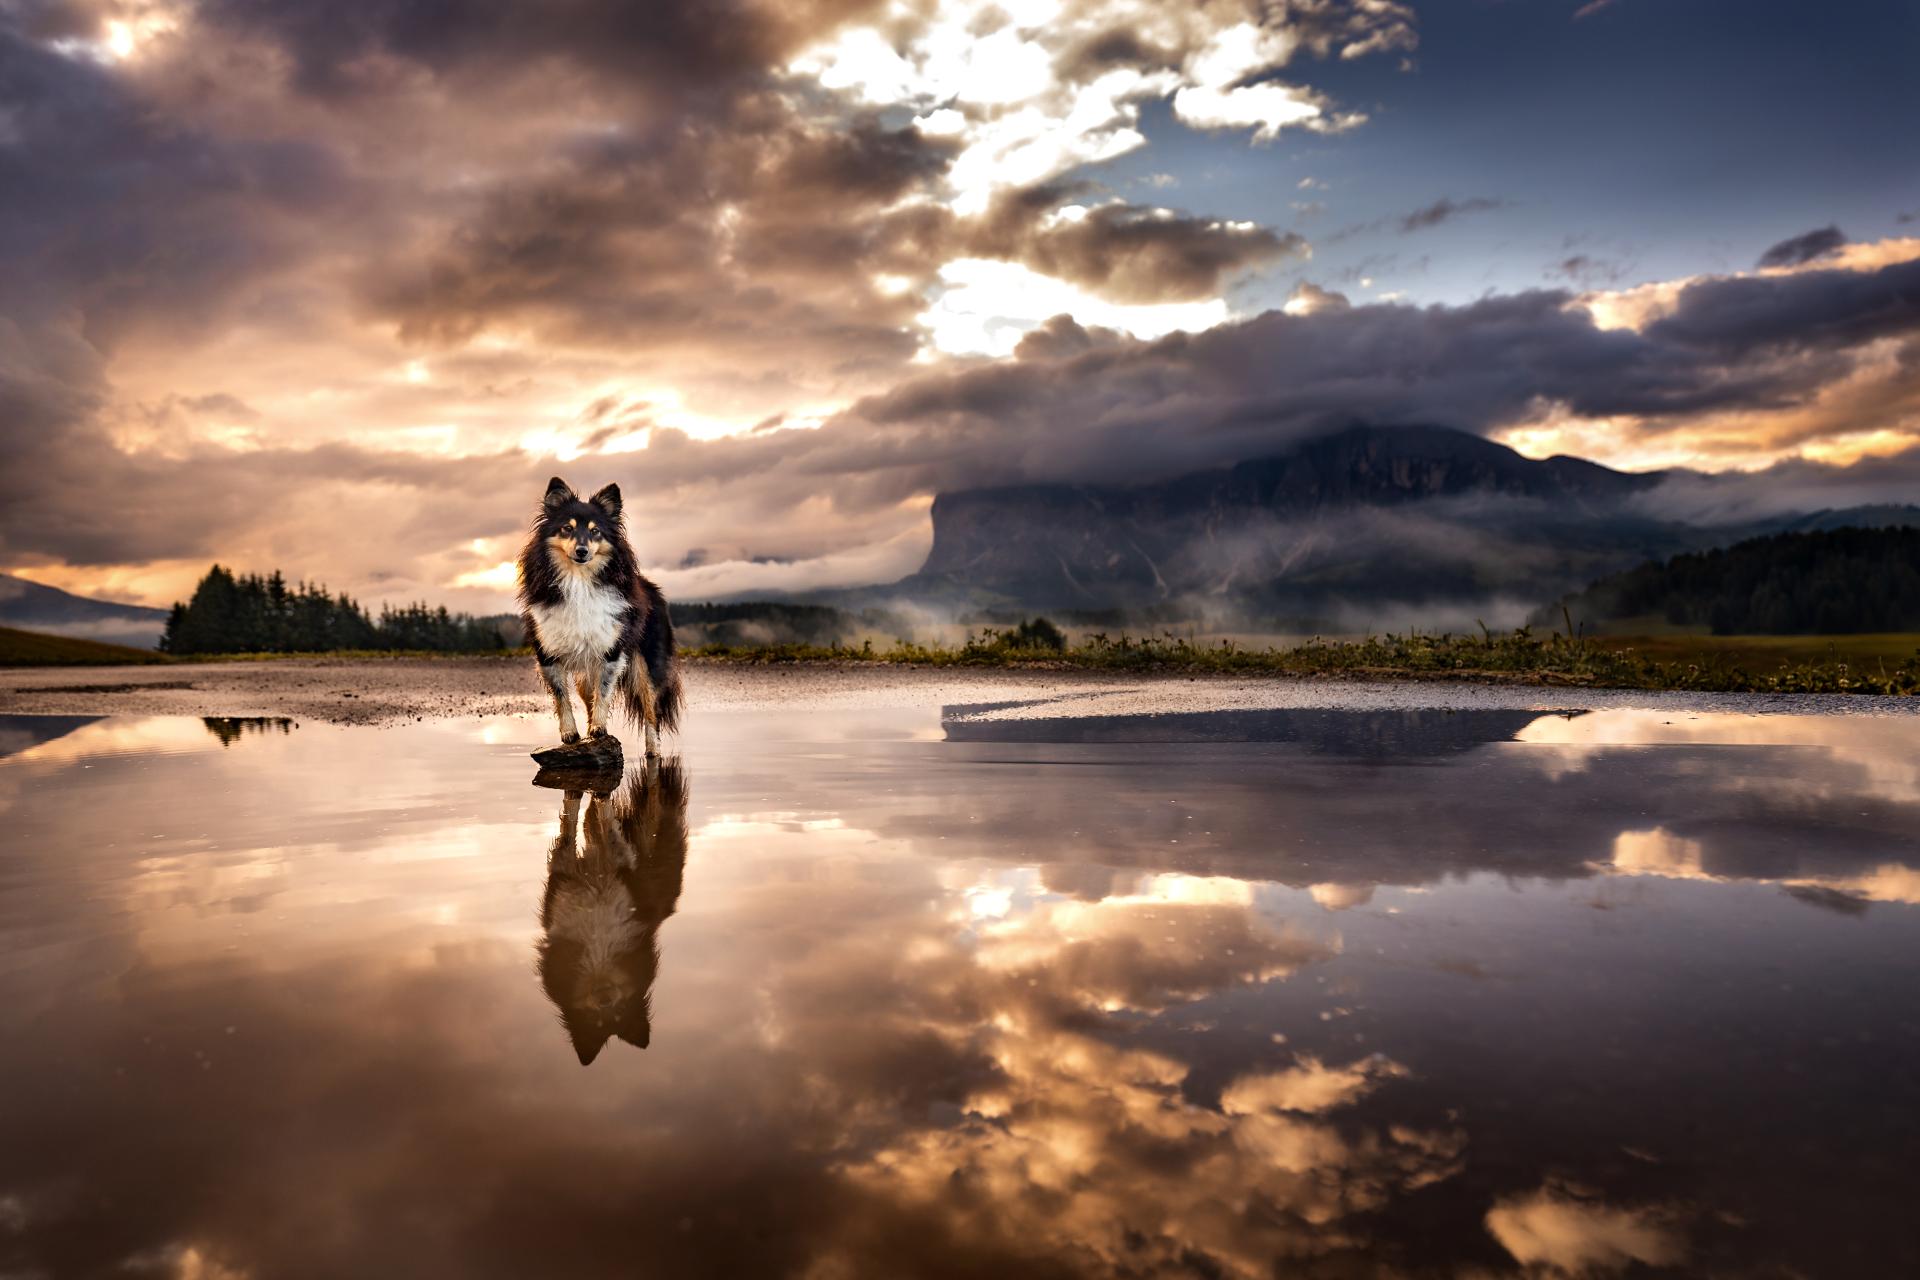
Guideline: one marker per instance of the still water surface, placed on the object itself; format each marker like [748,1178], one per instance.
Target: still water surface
[910,993]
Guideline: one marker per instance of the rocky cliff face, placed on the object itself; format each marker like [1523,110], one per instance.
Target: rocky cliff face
[1404,513]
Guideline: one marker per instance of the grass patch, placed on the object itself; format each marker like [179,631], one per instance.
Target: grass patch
[1519,656]
[37,649]
[1765,652]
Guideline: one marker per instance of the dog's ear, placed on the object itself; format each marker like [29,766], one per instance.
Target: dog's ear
[559,493]
[608,500]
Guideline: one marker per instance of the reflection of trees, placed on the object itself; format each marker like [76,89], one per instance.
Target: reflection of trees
[611,882]
[230,729]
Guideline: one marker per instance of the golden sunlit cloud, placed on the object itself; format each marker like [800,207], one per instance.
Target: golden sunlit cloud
[985,307]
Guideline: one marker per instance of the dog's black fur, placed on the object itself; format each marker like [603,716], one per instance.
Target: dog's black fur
[645,627]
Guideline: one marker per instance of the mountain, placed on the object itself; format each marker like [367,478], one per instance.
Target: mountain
[1371,526]
[34,607]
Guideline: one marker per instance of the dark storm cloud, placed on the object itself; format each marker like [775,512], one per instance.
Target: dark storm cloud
[1444,210]
[1118,48]
[749,227]
[1729,344]
[664,44]
[1803,248]
[1123,252]
[129,218]
[1809,311]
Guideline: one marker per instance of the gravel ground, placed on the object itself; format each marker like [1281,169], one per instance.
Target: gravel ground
[391,691]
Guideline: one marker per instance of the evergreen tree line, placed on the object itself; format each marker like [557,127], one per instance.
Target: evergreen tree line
[1833,582]
[255,614]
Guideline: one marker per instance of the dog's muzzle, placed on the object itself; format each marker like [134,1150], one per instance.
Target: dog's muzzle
[582,554]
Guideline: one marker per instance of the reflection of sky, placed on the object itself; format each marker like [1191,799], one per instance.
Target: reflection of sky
[1030,1007]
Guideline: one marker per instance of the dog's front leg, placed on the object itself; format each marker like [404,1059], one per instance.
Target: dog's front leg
[567,848]
[562,700]
[610,672]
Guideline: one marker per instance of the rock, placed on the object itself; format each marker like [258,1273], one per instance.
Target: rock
[589,755]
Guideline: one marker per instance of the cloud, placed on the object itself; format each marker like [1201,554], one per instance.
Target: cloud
[1308,298]
[1034,93]
[1803,248]
[1444,210]
[1592,7]
[1125,253]
[1585,269]
[1574,1236]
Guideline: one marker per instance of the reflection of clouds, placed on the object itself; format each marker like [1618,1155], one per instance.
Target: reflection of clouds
[1658,852]
[1661,853]
[1090,1152]
[121,735]
[1308,1085]
[1339,897]
[1568,1235]
[1848,754]
[1177,938]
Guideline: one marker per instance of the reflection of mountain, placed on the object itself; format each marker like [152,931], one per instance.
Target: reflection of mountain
[610,885]
[18,733]
[1814,802]
[1380,735]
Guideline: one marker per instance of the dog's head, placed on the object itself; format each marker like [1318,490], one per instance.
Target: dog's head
[577,531]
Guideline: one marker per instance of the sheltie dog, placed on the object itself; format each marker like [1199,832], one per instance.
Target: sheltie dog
[596,623]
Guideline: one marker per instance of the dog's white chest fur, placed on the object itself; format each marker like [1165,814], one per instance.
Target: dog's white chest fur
[583,626]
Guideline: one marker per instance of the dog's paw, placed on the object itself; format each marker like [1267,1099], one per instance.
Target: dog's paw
[569,738]
[599,731]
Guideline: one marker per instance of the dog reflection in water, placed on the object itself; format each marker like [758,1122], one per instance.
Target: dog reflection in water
[613,875]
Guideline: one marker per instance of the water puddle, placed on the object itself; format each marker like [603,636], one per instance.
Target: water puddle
[902,993]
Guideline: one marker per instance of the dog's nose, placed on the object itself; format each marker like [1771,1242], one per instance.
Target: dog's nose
[581,554]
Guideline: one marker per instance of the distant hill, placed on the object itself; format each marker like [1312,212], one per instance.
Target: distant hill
[38,649]
[1826,582]
[35,607]
[1370,518]
[1370,526]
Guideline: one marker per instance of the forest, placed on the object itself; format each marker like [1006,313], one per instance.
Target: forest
[255,614]
[1830,582]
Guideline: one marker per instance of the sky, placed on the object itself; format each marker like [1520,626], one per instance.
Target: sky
[335,288]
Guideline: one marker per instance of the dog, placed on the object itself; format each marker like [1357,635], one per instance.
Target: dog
[610,885]
[595,620]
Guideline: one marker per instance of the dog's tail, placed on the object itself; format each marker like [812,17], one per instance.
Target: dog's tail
[654,664]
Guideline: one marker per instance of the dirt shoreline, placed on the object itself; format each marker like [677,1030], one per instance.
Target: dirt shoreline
[392,691]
